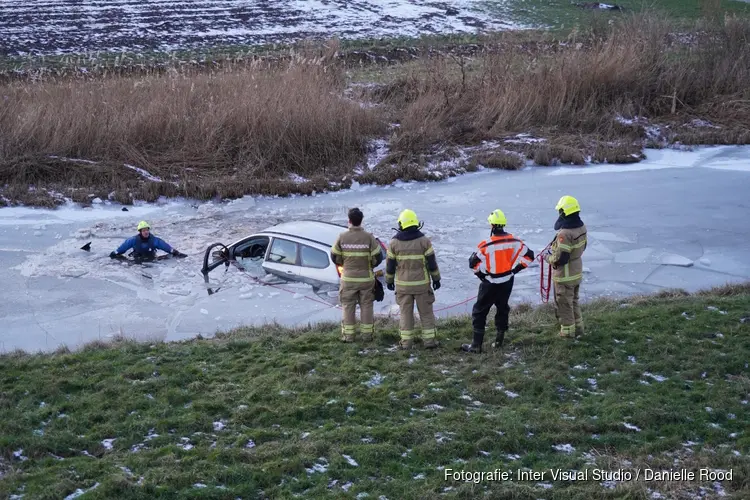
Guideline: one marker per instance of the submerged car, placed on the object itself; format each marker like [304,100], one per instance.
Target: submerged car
[293,251]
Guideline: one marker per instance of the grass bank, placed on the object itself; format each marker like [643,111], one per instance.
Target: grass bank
[658,382]
[601,95]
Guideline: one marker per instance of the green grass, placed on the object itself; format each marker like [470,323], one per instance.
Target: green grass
[290,400]
[563,15]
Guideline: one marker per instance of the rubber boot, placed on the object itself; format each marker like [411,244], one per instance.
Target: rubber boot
[579,330]
[476,344]
[406,344]
[499,338]
[430,344]
[567,332]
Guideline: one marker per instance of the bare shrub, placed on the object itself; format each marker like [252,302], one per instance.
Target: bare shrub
[568,155]
[250,123]
[543,156]
[632,67]
[502,160]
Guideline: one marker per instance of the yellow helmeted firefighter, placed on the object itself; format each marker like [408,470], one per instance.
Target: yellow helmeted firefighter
[567,266]
[496,262]
[358,252]
[410,264]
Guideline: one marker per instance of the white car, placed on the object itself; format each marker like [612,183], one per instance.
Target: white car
[293,251]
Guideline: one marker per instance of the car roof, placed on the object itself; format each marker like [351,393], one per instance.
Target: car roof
[313,230]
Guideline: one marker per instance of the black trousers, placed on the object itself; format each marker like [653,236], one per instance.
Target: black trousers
[490,294]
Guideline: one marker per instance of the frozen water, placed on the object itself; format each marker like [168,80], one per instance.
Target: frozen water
[47,301]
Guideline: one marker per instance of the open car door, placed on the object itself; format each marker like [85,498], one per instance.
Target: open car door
[247,254]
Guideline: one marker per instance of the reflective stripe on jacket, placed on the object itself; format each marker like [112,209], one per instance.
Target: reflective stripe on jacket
[501,257]
[358,252]
[411,262]
[572,241]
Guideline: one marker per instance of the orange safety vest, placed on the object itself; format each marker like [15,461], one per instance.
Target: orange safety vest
[499,255]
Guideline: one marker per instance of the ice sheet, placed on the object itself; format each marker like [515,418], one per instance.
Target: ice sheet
[641,235]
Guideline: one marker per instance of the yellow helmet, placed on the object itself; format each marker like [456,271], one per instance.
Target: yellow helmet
[143,225]
[407,218]
[568,205]
[497,218]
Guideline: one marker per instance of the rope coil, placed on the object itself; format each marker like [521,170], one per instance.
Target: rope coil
[544,289]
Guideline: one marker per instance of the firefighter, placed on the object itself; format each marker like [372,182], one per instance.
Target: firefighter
[567,267]
[410,264]
[358,252]
[144,245]
[496,262]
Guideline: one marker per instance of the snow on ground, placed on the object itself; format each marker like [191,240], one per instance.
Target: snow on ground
[45,27]
[643,236]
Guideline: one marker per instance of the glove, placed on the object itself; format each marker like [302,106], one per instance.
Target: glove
[474,260]
[390,286]
[113,255]
[177,253]
[436,285]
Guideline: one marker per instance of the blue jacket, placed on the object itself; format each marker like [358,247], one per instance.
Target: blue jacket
[144,247]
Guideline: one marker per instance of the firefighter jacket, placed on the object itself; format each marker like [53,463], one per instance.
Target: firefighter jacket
[500,257]
[358,252]
[411,262]
[567,250]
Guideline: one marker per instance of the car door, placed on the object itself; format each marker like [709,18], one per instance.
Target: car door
[282,258]
[250,253]
[316,268]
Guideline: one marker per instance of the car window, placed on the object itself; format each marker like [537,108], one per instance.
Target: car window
[253,248]
[283,252]
[312,257]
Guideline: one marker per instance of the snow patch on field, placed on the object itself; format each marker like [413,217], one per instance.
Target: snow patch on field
[44,27]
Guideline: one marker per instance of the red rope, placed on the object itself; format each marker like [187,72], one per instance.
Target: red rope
[234,263]
[544,290]
[456,304]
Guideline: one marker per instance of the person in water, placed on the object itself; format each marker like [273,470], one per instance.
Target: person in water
[145,245]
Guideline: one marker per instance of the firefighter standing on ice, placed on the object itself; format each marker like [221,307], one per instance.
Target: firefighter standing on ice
[144,245]
[565,257]
[410,264]
[499,259]
[358,252]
